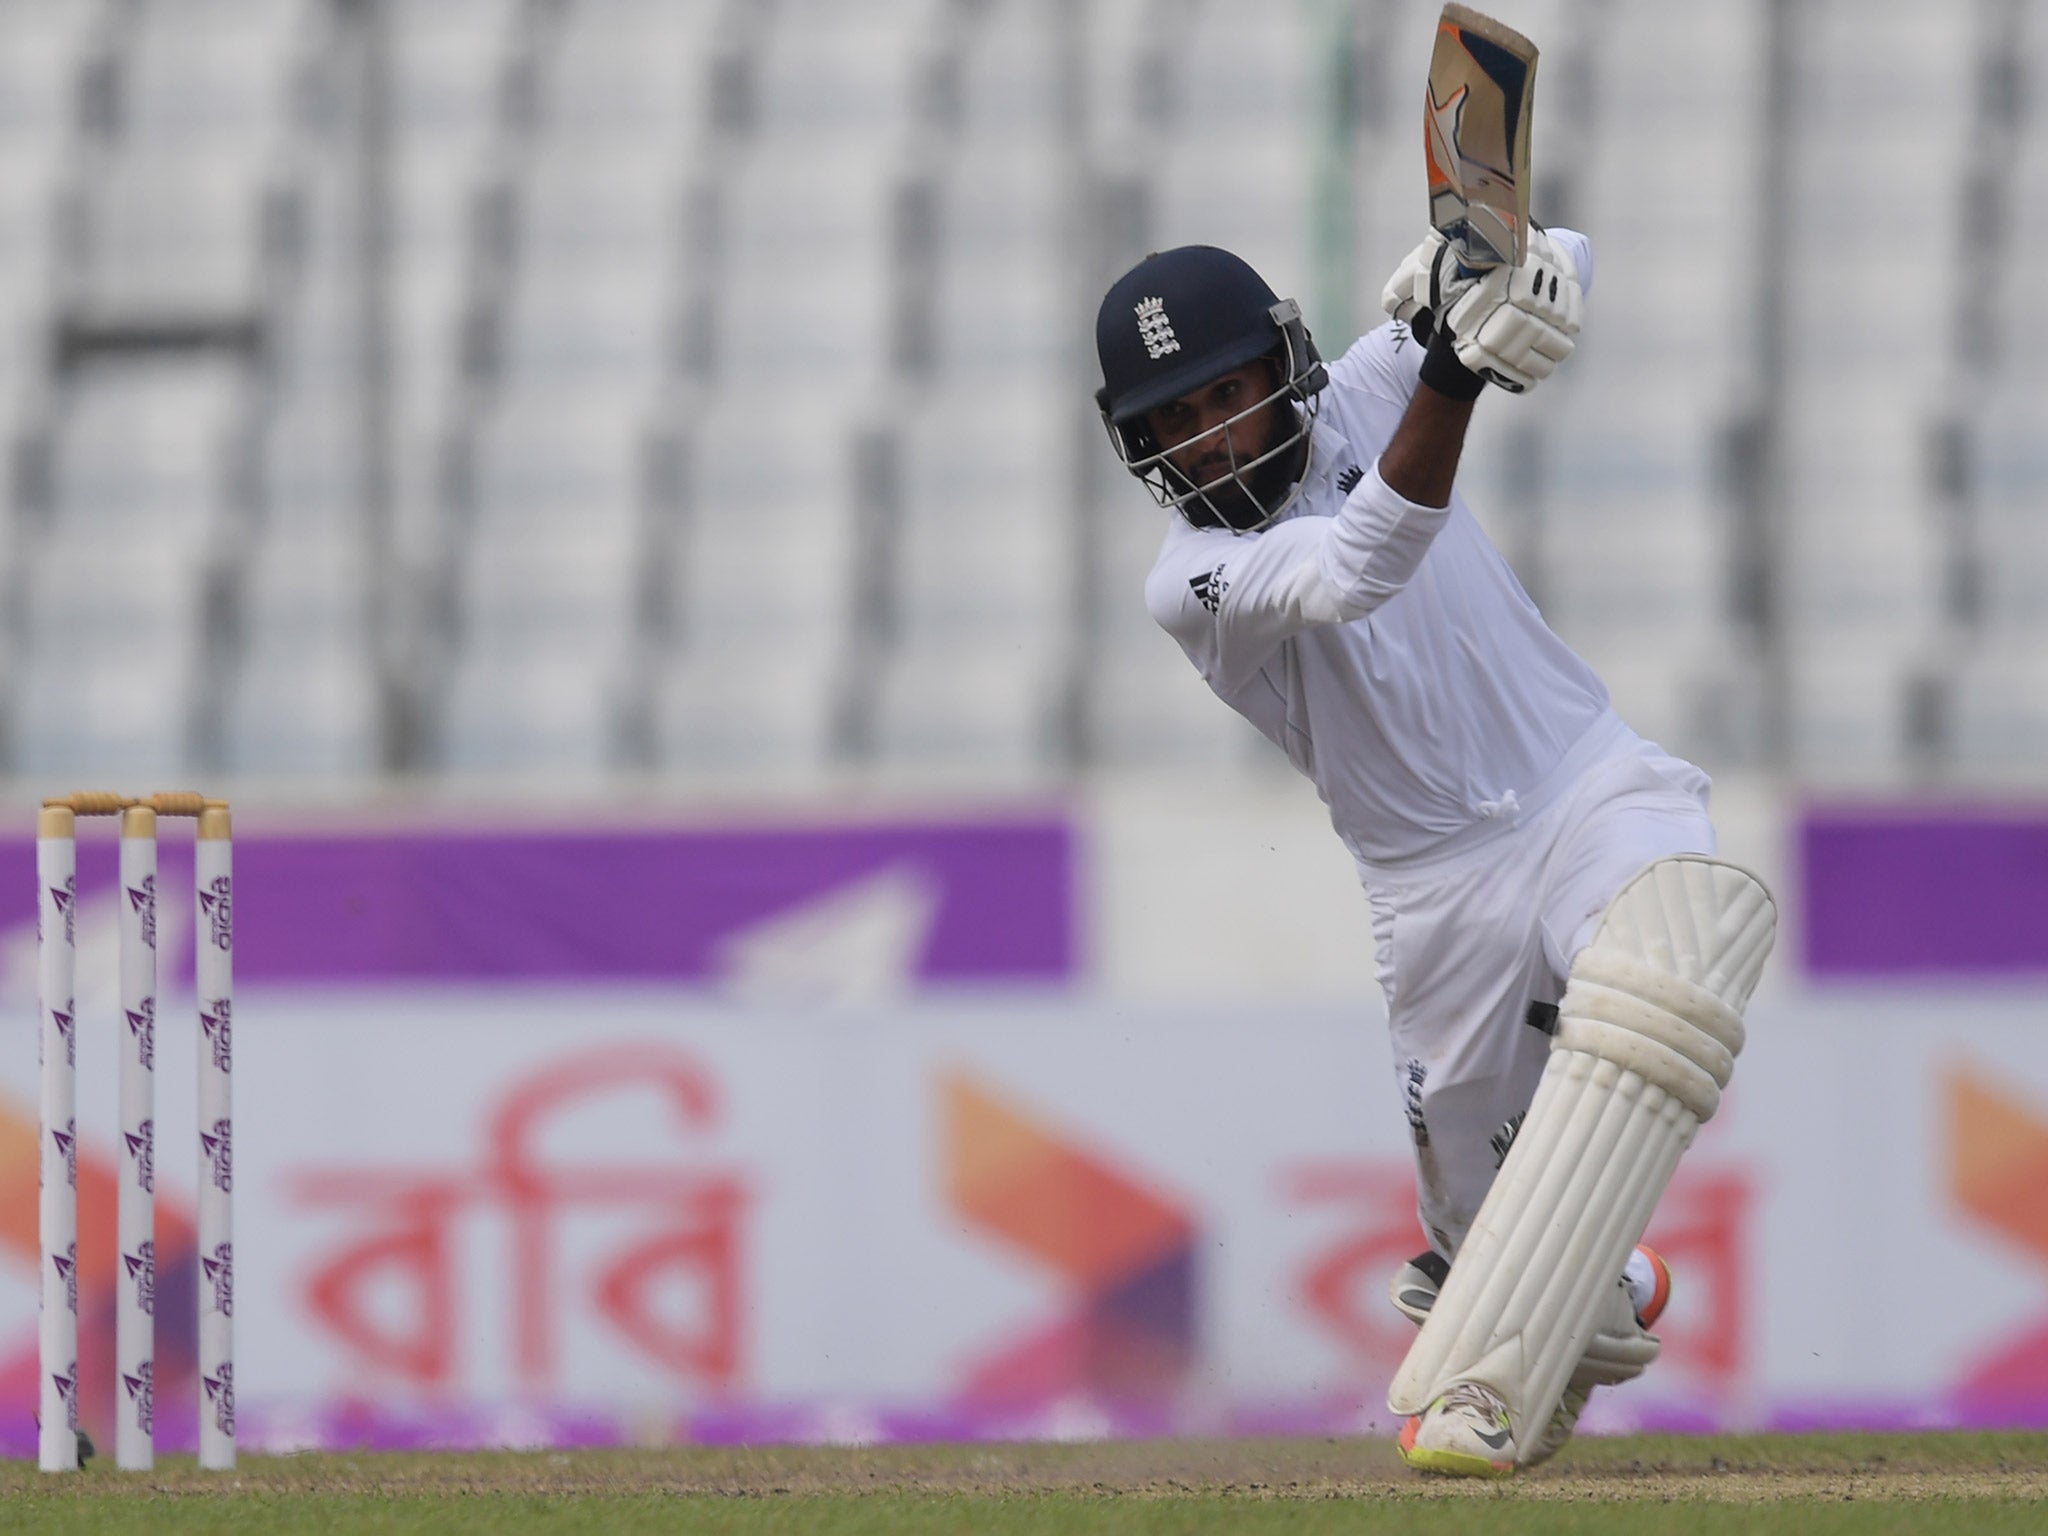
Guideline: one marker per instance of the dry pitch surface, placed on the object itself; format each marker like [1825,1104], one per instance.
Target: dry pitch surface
[1810,1485]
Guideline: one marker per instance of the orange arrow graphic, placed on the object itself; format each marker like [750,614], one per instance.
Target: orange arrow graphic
[1127,1251]
[1998,1172]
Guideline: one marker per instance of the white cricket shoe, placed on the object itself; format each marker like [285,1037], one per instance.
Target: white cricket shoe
[1416,1284]
[1648,1279]
[1464,1433]
[1612,1357]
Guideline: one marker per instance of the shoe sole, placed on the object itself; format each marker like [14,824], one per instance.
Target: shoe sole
[1447,1463]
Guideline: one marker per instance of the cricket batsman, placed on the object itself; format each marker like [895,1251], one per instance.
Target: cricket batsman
[1565,963]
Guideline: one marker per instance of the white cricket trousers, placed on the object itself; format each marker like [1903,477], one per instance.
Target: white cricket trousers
[1468,942]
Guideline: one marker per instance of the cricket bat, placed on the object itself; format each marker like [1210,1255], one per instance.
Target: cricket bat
[1482,81]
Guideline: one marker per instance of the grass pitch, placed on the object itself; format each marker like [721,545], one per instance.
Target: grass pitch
[1988,1485]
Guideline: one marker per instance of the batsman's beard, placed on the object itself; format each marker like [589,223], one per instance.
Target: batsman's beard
[1227,496]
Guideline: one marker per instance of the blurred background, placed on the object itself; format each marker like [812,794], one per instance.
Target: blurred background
[611,489]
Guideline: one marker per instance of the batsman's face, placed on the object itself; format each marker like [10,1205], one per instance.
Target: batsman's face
[1210,434]
[1202,433]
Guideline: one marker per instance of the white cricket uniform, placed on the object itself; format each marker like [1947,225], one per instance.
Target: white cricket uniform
[1491,797]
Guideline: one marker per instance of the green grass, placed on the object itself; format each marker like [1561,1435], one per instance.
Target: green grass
[1987,1485]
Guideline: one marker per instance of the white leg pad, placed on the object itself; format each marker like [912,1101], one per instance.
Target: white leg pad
[1620,1350]
[1648,1031]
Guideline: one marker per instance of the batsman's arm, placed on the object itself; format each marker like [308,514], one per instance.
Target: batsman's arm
[1232,600]
[1420,461]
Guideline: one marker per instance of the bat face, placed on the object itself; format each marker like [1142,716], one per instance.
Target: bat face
[1482,82]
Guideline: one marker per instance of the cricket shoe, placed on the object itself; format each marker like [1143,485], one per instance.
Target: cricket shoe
[1618,1352]
[1464,1433]
[1417,1285]
[1648,1279]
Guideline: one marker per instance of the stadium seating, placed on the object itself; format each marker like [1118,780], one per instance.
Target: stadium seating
[702,386]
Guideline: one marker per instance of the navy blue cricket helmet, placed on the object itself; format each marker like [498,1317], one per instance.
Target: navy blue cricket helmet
[1176,321]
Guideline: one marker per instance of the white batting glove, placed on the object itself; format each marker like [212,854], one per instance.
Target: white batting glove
[1516,324]
[1427,282]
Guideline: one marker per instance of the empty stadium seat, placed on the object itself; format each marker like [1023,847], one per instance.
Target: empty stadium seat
[992,707]
[1145,707]
[554,464]
[827,74]
[627,78]
[144,454]
[766,539]
[176,236]
[1249,70]
[596,287]
[43,49]
[310,471]
[762,706]
[303,712]
[107,683]
[1010,81]
[522,599]
[1847,712]
[117,721]
[804,291]
[986,536]
[447,70]
[533,710]
[1997,710]
[1247,192]
[2010,515]
[306,590]
[202,75]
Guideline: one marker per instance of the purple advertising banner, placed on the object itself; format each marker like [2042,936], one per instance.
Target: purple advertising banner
[1936,895]
[977,901]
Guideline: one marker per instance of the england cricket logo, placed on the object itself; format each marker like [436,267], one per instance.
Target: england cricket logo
[216,1022]
[142,1393]
[217,1147]
[217,907]
[220,1391]
[1155,330]
[144,903]
[142,1025]
[141,1143]
[220,1274]
[141,1267]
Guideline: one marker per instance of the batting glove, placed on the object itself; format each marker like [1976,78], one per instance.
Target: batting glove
[1515,324]
[1428,280]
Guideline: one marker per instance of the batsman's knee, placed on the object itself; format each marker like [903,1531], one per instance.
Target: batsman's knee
[1660,991]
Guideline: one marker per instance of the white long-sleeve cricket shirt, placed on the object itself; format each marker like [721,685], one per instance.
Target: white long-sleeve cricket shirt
[1384,646]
